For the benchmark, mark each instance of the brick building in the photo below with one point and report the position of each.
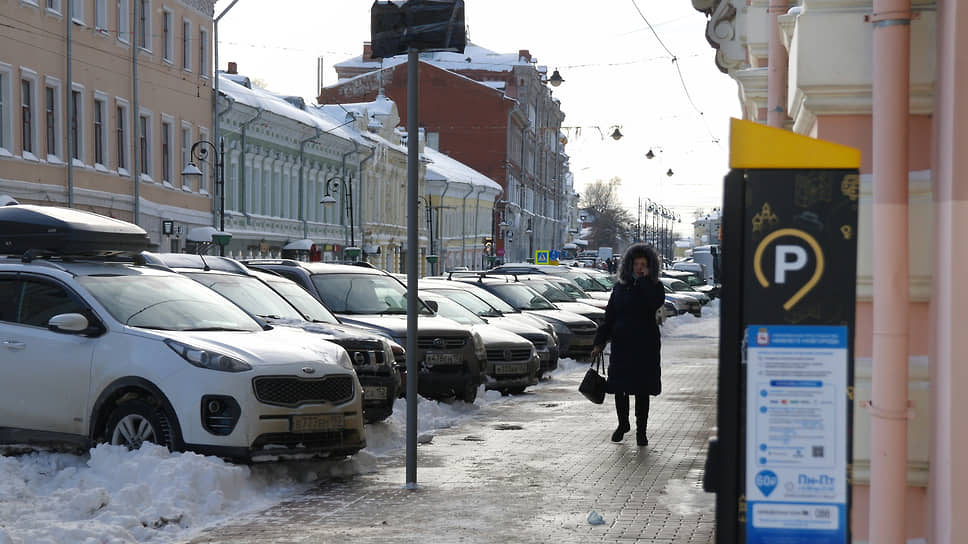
(493, 112)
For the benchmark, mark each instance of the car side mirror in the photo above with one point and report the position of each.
(69, 323)
(432, 304)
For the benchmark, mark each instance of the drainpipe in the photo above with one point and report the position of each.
(302, 186)
(70, 108)
(243, 203)
(889, 404)
(777, 74)
(463, 226)
(135, 114)
(218, 116)
(440, 237)
(363, 161)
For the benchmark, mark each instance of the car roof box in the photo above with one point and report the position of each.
(66, 231)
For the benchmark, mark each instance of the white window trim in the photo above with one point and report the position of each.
(185, 145)
(187, 59)
(204, 66)
(105, 130)
(31, 76)
(165, 118)
(124, 29)
(6, 98)
(101, 27)
(31, 3)
(168, 47)
(77, 18)
(122, 103)
(81, 140)
(203, 183)
(147, 24)
(57, 10)
(142, 112)
(58, 156)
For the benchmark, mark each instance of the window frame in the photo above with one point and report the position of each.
(143, 11)
(76, 125)
(167, 157)
(77, 12)
(186, 154)
(123, 18)
(145, 155)
(203, 52)
(31, 121)
(53, 132)
(167, 35)
(54, 7)
(6, 110)
(101, 140)
(186, 44)
(203, 182)
(122, 148)
(101, 17)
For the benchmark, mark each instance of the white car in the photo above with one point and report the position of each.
(95, 351)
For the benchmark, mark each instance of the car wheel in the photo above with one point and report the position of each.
(135, 422)
(515, 390)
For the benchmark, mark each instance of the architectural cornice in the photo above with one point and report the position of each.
(722, 33)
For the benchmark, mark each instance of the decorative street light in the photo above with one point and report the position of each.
(556, 79)
(650, 155)
(200, 151)
(670, 173)
(333, 185)
(617, 134)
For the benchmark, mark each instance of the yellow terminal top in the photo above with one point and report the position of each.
(756, 146)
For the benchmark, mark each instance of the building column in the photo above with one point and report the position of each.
(776, 111)
(948, 496)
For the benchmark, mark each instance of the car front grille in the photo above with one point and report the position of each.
(441, 342)
(293, 391)
(309, 441)
(515, 354)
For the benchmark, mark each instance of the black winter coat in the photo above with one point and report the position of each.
(630, 325)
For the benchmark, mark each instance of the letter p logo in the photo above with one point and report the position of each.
(789, 258)
(784, 264)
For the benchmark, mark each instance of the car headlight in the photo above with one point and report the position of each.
(479, 351)
(534, 352)
(208, 359)
(388, 355)
(344, 361)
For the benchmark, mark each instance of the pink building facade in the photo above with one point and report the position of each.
(883, 77)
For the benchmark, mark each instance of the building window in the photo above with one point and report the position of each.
(166, 35)
(6, 116)
(166, 157)
(144, 144)
(100, 132)
(203, 52)
(121, 135)
(101, 16)
(27, 115)
(52, 119)
(144, 24)
(203, 165)
(186, 157)
(187, 45)
(77, 11)
(53, 6)
(124, 21)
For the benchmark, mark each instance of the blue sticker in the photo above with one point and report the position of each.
(762, 409)
(763, 392)
(762, 447)
(766, 480)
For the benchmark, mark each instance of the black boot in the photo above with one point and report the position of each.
(622, 409)
(641, 419)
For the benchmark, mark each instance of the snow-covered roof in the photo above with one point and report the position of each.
(474, 57)
(261, 98)
(446, 168)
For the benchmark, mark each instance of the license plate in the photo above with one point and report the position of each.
(316, 424)
(442, 358)
(375, 393)
(511, 369)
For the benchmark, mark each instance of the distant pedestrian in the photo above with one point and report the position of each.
(630, 325)
(612, 265)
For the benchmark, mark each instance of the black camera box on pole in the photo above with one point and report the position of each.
(67, 231)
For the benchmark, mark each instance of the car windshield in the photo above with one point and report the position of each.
(493, 300)
(678, 285)
(452, 310)
(363, 294)
(693, 281)
(571, 289)
(469, 301)
(521, 296)
(549, 291)
(249, 293)
(604, 280)
(171, 303)
(302, 300)
(588, 284)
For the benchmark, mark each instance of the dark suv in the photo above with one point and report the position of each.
(281, 302)
(451, 359)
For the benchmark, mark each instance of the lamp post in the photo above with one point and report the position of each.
(200, 151)
(333, 185)
(427, 203)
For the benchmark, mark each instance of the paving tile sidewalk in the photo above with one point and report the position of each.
(528, 470)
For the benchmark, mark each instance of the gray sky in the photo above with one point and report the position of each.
(616, 73)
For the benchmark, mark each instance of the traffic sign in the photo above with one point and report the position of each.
(553, 255)
(541, 256)
(500, 252)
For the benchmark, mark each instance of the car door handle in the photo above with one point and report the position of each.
(14, 345)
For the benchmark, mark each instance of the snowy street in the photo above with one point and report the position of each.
(527, 468)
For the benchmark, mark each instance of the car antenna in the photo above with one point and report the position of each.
(206, 246)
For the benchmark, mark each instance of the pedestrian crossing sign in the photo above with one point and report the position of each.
(541, 256)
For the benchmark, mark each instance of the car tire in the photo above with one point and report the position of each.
(134, 422)
(515, 390)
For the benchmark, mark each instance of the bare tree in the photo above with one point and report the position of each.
(611, 219)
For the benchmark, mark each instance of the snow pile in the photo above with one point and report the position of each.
(148, 495)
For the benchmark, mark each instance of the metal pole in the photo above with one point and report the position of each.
(215, 85)
(69, 155)
(348, 186)
(135, 114)
(413, 89)
(220, 178)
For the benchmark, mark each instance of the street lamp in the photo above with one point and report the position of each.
(200, 151)
(556, 79)
(650, 155)
(617, 134)
(333, 185)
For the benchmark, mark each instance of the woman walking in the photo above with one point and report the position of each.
(630, 325)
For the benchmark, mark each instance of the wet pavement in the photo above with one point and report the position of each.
(530, 470)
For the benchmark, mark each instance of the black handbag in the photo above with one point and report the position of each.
(593, 384)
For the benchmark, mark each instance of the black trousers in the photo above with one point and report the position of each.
(641, 409)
